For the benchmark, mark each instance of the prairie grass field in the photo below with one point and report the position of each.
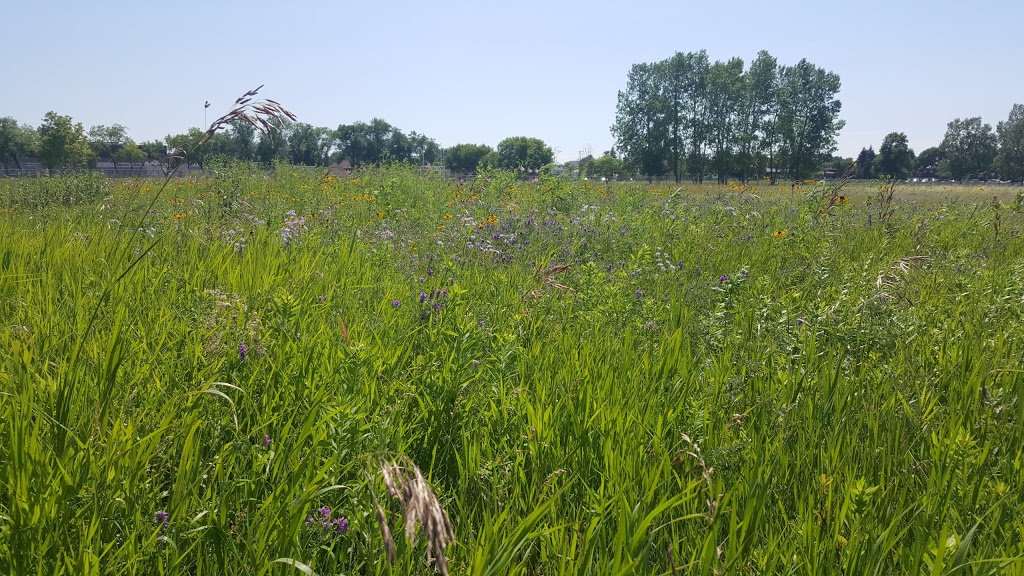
(594, 378)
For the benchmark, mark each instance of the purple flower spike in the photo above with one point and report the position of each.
(423, 297)
(242, 351)
(266, 441)
(639, 293)
(162, 517)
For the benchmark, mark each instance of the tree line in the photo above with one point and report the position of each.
(60, 142)
(970, 150)
(688, 116)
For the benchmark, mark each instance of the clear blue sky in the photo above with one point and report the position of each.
(478, 72)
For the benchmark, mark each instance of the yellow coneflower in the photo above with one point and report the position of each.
(841, 200)
(178, 216)
(380, 215)
(446, 217)
(779, 233)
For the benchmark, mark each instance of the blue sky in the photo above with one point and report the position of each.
(478, 72)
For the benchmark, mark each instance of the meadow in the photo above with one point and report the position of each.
(594, 378)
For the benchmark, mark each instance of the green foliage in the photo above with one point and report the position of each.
(928, 161)
(378, 142)
(895, 157)
(16, 141)
(523, 153)
(685, 111)
(866, 163)
(970, 148)
(62, 142)
(594, 379)
(465, 158)
(607, 167)
(1010, 160)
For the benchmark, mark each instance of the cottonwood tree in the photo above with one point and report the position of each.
(465, 158)
(16, 141)
(895, 157)
(685, 111)
(927, 162)
(970, 147)
(1010, 160)
(523, 153)
(642, 125)
(809, 112)
(310, 145)
(62, 142)
(107, 140)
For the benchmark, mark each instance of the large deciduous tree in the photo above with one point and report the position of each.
(685, 111)
(895, 157)
(970, 147)
(106, 141)
(465, 158)
(809, 116)
(310, 145)
(642, 127)
(62, 142)
(523, 153)
(16, 141)
(1010, 160)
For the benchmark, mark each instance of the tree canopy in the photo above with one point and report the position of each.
(523, 153)
(62, 142)
(686, 114)
(970, 148)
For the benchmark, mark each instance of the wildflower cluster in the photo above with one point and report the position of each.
(293, 227)
(322, 517)
(234, 237)
(663, 261)
(434, 300)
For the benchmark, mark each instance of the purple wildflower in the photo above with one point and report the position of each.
(423, 297)
(341, 524)
(321, 298)
(481, 323)
(723, 279)
(162, 517)
(744, 272)
(476, 362)
(395, 303)
(243, 350)
(266, 441)
(437, 306)
(800, 321)
(324, 511)
(639, 293)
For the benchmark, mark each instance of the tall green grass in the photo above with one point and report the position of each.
(792, 393)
